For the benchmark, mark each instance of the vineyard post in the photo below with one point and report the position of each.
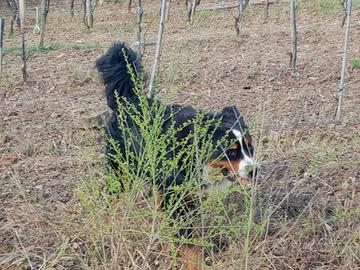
(72, 4)
(293, 55)
(89, 16)
(15, 16)
(139, 13)
(154, 70)
(192, 11)
(340, 94)
(168, 2)
(22, 38)
(239, 20)
(37, 23)
(2, 27)
(266, 9)
(44, 9)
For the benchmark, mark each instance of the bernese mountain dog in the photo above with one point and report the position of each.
(231, 153)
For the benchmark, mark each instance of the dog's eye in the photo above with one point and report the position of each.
(232, 153)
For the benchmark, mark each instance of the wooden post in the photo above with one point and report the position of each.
(192, 11)
(240, 18)
(2, 27)
(15, 16)
(139, 13)
(293, 55)
(340, 94)
(43, 12)
(37, 23)
(168, 2)
(72, 3)
(89, 17)
(22, 12)
(266, 9)
(84, 14)
(154, 70)
(22, 37)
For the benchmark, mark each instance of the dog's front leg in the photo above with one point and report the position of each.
(191, 257)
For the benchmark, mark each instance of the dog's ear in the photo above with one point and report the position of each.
(230, 114)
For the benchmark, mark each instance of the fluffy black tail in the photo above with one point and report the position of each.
(115, 73)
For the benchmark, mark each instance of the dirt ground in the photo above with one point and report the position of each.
(47, 146)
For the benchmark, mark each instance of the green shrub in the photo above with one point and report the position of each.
(125, 226)
(355, 63)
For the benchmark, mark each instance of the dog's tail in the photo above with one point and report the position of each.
(116, 68)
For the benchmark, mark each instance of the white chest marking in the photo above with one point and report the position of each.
(247, 161)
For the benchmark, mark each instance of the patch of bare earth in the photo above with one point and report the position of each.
(47, 147)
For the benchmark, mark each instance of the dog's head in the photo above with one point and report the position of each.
(236, 153)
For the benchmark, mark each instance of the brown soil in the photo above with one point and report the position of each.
(47, 147)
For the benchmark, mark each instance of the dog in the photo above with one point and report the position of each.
(232, 149)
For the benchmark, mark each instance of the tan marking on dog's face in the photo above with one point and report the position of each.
(235, 146)
(231, 165)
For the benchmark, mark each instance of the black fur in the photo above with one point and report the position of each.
(114, 67)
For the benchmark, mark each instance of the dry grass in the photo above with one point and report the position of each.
(302, 214)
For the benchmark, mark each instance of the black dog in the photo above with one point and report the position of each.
(232, 149)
